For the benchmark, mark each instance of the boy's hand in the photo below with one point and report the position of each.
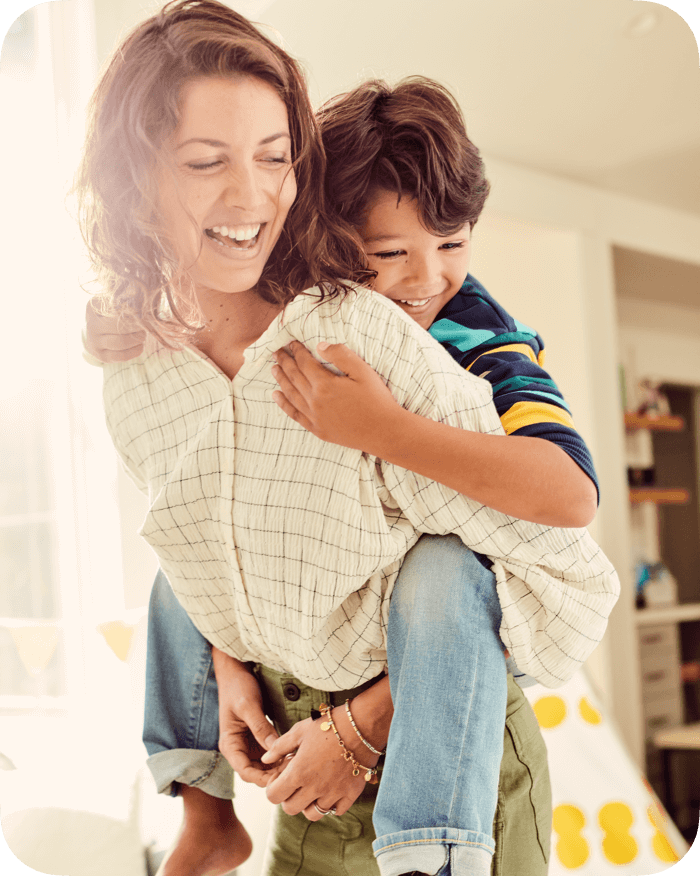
(104, 339)
(350, 410)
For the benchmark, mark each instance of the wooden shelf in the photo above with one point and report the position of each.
(655, 424)
(668, 614)
(659, 495)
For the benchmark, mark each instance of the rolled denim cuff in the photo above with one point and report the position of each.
(207, 770)
(429, 849)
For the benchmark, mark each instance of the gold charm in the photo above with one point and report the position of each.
(326, 726)
(368, 775)
(356, 772)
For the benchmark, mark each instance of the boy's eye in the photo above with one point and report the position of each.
(455, 244)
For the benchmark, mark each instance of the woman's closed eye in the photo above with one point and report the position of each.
(391, 254)
(204, 165)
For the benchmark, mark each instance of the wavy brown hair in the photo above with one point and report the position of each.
(410, 139)
(134, 109)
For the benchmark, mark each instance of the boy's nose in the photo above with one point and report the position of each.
(424, 274)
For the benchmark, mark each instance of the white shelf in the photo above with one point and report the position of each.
(668, 614)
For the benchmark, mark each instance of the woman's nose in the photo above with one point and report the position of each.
(243, 190)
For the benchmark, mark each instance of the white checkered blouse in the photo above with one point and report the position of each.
(284, 549)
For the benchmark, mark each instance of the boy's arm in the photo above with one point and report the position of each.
(488, 342)
(530, 478)
(105, 340)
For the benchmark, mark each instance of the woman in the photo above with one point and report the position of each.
(220, 158)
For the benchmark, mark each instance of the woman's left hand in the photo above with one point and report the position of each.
(317, 773)
(352, 410)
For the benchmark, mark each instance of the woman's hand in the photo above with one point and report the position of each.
(318, 772)
(352, 411)
(106, 340)
(245, 734)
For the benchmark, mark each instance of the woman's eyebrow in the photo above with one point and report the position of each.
(219, 144)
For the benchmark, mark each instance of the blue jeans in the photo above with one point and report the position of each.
(437, 798)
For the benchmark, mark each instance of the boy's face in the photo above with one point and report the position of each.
(418, 270)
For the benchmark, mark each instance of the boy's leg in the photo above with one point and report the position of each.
(437, 798)
(181, 728)
(181, 718)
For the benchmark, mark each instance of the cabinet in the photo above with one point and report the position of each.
(665, 527)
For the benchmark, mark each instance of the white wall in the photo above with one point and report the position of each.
(661, 341)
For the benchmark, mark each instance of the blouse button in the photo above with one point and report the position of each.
(291, 691)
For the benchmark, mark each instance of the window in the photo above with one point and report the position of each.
(60, 552)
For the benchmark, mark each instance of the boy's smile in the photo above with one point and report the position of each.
(417, 269)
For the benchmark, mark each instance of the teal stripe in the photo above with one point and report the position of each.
(522, 381)
(459, 336)
(514, 338)
(524, 328)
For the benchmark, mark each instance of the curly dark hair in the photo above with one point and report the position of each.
(134, 109)
(410, 139)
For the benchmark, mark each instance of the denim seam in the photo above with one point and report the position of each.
(441, 841)
(206, 775)
(466, 582)
(197, 701)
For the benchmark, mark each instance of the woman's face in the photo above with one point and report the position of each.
(229, 183)
(417, 269)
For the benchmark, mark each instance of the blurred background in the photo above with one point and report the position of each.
(587, 113)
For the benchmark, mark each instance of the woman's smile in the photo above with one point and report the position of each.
(230, 183)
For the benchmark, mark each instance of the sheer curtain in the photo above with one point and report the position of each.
(66, 693)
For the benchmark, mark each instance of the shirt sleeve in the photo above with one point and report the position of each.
(486, 340)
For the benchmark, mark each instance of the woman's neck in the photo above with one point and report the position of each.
(233, 321)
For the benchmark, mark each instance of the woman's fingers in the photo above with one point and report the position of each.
(283, 746)
(328, 809)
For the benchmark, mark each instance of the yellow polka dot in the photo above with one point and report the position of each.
(572, 849)
(550, 711)
(619, 846)
(663, 849)
(588, 713)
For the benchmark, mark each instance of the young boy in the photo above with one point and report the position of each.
(403, 174)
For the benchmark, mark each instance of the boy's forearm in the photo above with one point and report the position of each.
(529, 478)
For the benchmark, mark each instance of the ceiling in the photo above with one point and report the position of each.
(600, 91)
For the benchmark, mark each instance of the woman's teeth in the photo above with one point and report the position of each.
(416, 303)
(241, 234)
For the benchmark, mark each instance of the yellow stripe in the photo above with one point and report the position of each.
(510, 348)
(528, 413)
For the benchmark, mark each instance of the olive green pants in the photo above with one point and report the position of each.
(342, 846)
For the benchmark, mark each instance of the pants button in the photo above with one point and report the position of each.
(291, 691)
